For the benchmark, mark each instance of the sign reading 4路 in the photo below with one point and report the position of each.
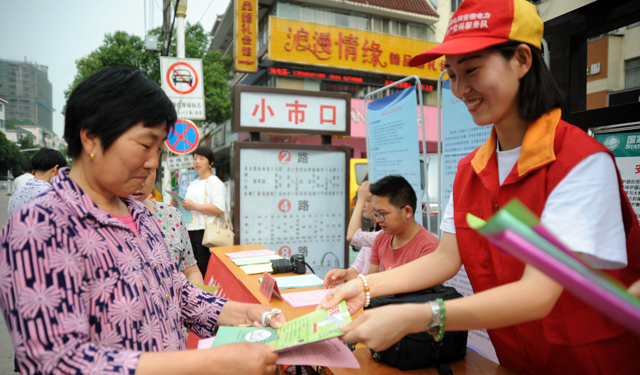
(182, 82)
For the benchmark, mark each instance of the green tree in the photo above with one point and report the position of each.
(11, 159)
(118, 49)
(123, 49)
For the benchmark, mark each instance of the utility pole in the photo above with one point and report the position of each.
(181, 13)
(166, 28)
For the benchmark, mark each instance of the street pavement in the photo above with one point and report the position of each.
(6, 346)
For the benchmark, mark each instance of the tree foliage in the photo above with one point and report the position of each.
(11, 159)
(123, 49)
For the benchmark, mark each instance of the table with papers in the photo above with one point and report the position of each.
(234, 283)
(241, 287)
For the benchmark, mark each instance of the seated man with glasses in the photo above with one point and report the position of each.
(404, 240)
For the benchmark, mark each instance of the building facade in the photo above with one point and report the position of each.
(613, 58)
(613, 68)
(3, 110)
(349, 46)
(346, 46)
(26, 85)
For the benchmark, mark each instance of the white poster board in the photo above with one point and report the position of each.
(293, 200)
(460, 136)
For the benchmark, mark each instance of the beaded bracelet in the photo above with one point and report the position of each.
(367, 295)
(436, 327)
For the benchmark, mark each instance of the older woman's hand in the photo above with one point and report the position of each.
(255, 313)
(244, 358)
(174, 202)
(235, 313)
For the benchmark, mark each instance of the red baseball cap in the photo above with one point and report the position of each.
(478, 24)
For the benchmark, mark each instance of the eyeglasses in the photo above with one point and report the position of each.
(380, 217)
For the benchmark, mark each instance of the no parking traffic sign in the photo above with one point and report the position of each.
(183, 138)
(182, 82)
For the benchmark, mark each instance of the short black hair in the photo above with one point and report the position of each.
(397, 189)
(47, 158)
(539, 93)
(207, 153)
(27, 168)
(110, 102)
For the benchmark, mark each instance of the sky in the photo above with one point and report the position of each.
(57, 33)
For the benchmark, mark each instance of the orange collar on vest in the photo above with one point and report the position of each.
(537, 145)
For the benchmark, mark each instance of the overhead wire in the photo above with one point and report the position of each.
(205, 11)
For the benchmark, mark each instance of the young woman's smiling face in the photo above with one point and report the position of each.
(487, 83)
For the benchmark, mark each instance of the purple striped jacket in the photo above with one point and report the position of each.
(82, 293)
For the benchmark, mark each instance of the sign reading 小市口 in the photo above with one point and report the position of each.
(182, 82)
(263, 109)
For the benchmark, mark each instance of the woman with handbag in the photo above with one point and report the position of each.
(206, 199)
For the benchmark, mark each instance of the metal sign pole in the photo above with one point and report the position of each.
(424, 136)
(440, 158)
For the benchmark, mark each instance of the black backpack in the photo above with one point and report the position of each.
(419, 350)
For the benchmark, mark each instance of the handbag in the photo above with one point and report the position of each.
(220, 232)
(322, 269)
(419, 350)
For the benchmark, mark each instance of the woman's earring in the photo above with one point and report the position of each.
(91, 156)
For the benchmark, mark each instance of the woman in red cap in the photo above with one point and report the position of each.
(493, 58)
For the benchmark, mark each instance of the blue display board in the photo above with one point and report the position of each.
(393, 140)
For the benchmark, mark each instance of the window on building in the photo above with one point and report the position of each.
(337, 17)
(381, 25)
(455, 4)
(401, 28)
(263, 34)
(1, 107)
(355, 20)
(417, 31)
(289, 10)
(632, 73)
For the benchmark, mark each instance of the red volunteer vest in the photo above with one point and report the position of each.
(574, 338)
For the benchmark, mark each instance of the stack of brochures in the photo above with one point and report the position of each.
(255, 264)
(299, 300)
(250, 253)
(309, 340)
(517, 231)
(302, 281)
(308, 329)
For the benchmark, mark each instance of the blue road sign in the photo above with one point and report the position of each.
(183, 138)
